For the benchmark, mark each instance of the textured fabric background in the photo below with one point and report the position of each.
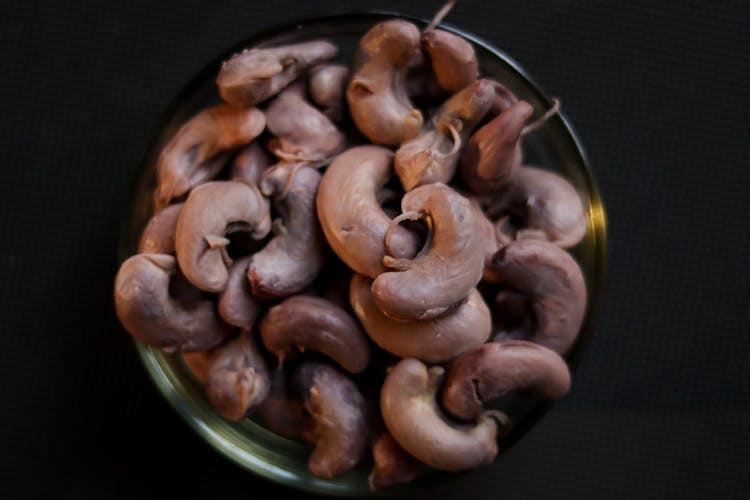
(658, 94)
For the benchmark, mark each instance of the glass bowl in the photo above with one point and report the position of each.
(247, 443)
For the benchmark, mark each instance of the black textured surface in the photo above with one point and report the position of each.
(659, 406)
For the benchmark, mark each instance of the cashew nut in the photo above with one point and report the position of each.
(211, 211)
(281, 412)
(237, 379)
(201, 147)
(237, 304)
(376, 92)
(151, 315)
(327, 87)
(197, 363)
(250, 163)
(337, 409)
(392, 465)
(411, 413)
(479, 376)
(449, 265)
(453, 59)
(554, 285)
(293, 258)
(159, 234)
(434, 341)
(311, 323)
(353, 222)
(254, 75)
(433, 154)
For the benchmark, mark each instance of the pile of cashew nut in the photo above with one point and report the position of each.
(357, 255)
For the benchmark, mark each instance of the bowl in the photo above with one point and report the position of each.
(247, 443)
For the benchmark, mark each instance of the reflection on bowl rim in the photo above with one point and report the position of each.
(160, 365)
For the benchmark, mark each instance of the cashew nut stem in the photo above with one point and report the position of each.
(446, 269)
(414, 419)
(254, 75)
(151, 315)
(479, 376)
(434, 341)
(353, 222)
(211, 211)
(201, 147)
(237, 379)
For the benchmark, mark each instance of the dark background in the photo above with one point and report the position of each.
(659, 96)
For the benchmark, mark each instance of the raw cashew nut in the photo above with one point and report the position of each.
(213, 210)
(449, 265)
(479, 376)
(554, 285)
(434, 341)
(493, 154)
(250, 163)
(337, 410)
(302, 133)
(201, 147)
(254, 75)
(353, 222)
(414, 419)
(327, 87)
(376, 93)
(453, 59)
(159, 234)
(432, 156)
(548, 206)
(304, 322)
(237, 379)
(293, 258)
(237, 304)
(148, 312)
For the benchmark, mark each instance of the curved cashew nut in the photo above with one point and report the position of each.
(201, 147)
(433, 154)
(293, 258)
(254, 75)
(493, 154)
(479, 376)
(548, 205)
(453, 59)
(376, 92)
(158, 235)
(327, 86)
(337, 410)
(302, 133)
(148, 312)
(305, 322)
(414, 419)
(237, 304)
(211, 211)
(249, 164)
(351, 217)
(434, 341)
(554, 285)
(447, 268)
(237, 379)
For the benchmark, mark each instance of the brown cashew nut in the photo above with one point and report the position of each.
(352, 219)
(158, 235)
(281, 412)
(449, 265)
(391, 464)
(504, 99)
(151, 315)
(302, 133)
(554, 285)
(293, 258)
(237, 304)
(253, 75)
(211, 211)
(453, 59)
(237, 379)
(376, 93)
(437, 340)
(327, 87)
(250, 163)
(493, 155)
(548, 206)
(491, 244)
(408, 402)
(478, 377)
(197, 363)
(432, 156)
(512, 316)
(201, 147)
(303, 322)
(337, 410)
